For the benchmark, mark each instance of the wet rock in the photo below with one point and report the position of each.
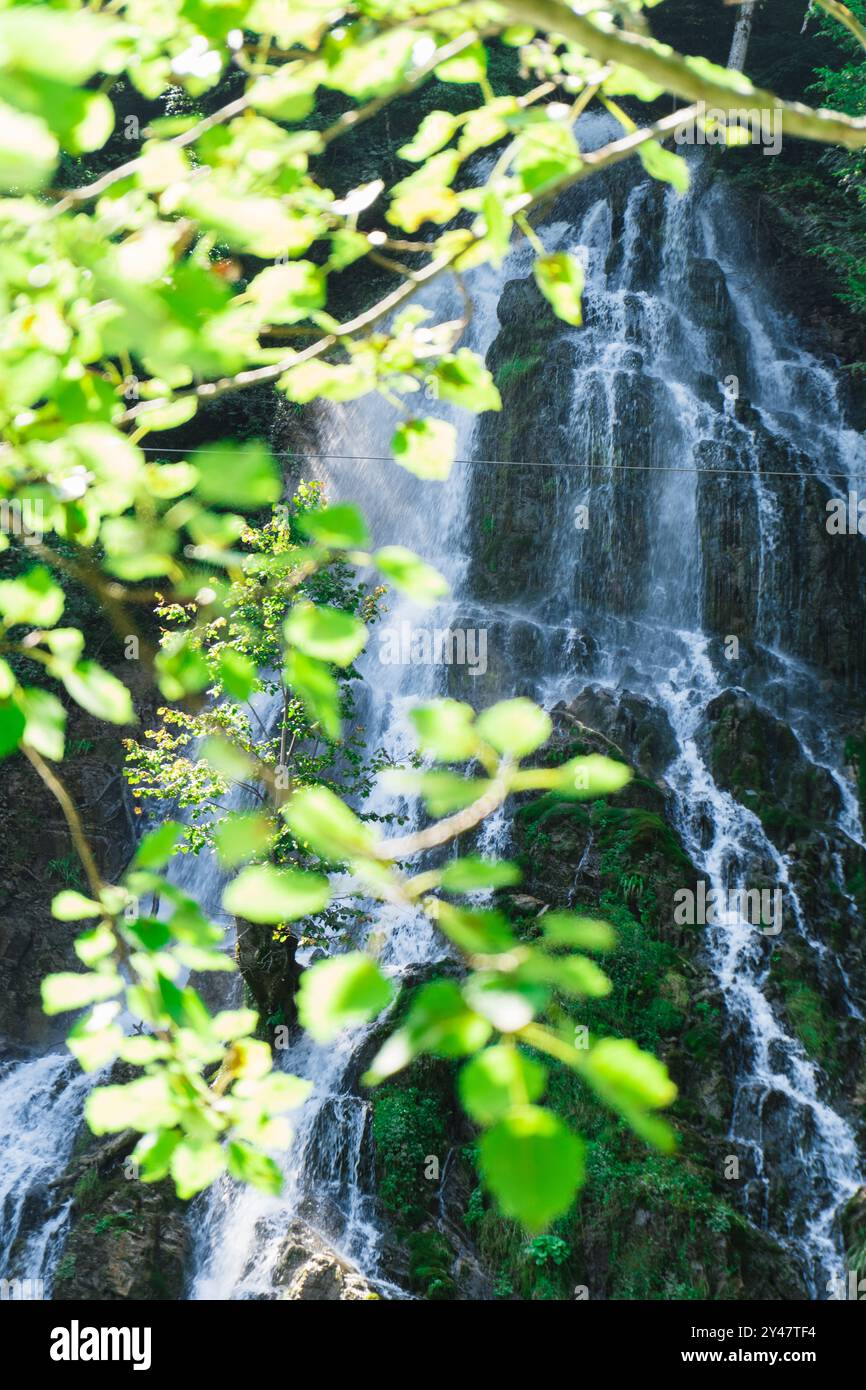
(308, 1270)
(632, 725)
(127, 1239)
(758, 759)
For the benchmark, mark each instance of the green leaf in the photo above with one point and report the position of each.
(341, 527)
(320, 819)
(289, 93)
(66, 46)
(514, 727)
(496, 1080)
(152, 1154)
(250, 1165)
(195, 1164)
(572, 975)
(409, 574)
(443, 792)
(630, 82)
(438, 1022)
(238, 475)
(94, 945)
(328, 634)
(240, 837)
(545, 153)
(478, 931)
(337, 993)
(426, 448)
(81, 120)
(463, 379)
(28, 151)
(181, 669)
(11, 728)
(263, 893)
(234, 1023)
(470, 874)
(275, 1092)
(32, 598)
(70, 990)
(238, 674)
(157, 847)
(341, 381)
(373, 69)
(508, 1003)
(445, 730)
(436, 129)
(618, 1065)
(288, 293)
(533, 1165)
(70, 906)
(570, 929)
(95, 1041)
(315, 686)
(559, 276)
(468, 66)
(590, 777)
(100, 693)
(663, 164)
(262, 226)
(44, 721)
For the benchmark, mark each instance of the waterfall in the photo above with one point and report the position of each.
(646, 491)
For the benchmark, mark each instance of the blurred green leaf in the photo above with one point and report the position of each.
(263, 893)
(497, 1079)
(533, 1165)
(339, 993)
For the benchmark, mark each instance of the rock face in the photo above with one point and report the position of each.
(630, 725)
(757, 758)
(127, 1239)
(308, 1270)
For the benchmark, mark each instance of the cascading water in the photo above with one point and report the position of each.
(648, 487)
(635, 393)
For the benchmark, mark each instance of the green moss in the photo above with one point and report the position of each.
(812, 1024)
(88, 1190)
(515, 368)
(408, 1129)
(855, 753)
(430, 1262)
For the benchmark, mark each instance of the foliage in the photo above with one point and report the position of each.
(138, 291)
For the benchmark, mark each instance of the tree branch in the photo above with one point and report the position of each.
(687, 77)
(71, 816)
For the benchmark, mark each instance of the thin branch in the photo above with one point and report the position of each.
(188, 137)
(71, 816)
(452, 826)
